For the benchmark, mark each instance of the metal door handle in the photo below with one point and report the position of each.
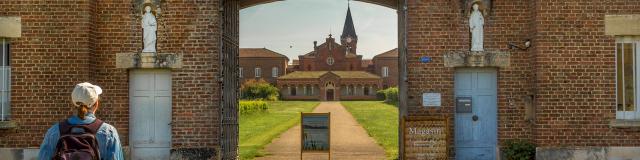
(474, 118)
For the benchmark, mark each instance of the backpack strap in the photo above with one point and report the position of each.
(93, 127)
(65, 127)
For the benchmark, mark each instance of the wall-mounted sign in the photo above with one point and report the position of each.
(425, 137)
(425, 59)
(315, 133)
(431, 99)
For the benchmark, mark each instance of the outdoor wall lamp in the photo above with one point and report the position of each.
(527, 44)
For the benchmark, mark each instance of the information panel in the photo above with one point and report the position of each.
(315, 132)
(425, 138)
(431, 99)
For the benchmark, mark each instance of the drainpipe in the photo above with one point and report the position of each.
(402, 79)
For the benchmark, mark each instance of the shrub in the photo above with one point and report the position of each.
(380, 95)
(519, 150)
(390, 95)
(259, 90)
(249, 107)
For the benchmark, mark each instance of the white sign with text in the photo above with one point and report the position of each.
(431, 99)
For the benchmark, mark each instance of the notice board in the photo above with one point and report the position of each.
(425, 138)
(315, 132)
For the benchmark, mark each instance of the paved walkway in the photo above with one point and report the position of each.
(349, 140)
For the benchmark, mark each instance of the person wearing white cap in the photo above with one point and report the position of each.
(56, 145)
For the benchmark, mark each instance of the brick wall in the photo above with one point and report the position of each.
(569, 71)
(439, 26)
(575, 73)
(52, 55)
(67, 42)
(266, 64)
(341, 62)
(392, 63)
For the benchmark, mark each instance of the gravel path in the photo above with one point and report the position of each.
(349, 141)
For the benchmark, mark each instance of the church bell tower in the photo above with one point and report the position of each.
(349, 37)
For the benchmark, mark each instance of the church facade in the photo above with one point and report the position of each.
(333, 70)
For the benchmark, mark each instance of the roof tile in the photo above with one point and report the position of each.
(260, 52)
(318, 74)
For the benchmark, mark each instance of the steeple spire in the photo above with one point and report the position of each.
(349, 37)
(349, 29)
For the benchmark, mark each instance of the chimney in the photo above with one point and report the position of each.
(315, 47)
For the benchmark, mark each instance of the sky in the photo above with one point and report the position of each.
(289, 27)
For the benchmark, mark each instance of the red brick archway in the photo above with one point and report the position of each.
(393, 4)
(229, 50)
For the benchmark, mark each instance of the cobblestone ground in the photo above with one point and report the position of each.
(349, 141)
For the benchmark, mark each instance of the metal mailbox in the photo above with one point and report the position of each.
(463, 105)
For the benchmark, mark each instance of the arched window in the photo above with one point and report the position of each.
(308, 90)
(292, 90)
(366, 90)
(351, 90)
(274, 72)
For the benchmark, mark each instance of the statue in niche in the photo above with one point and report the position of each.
(476, 26)
(149, 28)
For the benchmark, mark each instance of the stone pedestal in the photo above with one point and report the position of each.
(499, 59)
(148, 60)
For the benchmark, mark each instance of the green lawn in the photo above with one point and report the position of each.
(380, 120)
(257, 130)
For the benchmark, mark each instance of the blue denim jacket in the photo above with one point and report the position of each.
(107, 136)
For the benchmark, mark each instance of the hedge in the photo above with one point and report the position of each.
(250, 107)
(390, 95)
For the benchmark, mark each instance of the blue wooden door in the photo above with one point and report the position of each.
(476, 130)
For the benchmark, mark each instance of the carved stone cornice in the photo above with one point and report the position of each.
(148, 60)
(499, 59)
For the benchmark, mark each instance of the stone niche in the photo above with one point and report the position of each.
(148, 60)
(500, 59)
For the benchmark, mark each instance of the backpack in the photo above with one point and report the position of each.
(78, 142)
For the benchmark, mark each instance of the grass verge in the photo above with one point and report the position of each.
(380, 120)
(257, 130)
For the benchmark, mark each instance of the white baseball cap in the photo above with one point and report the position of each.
(85, 93)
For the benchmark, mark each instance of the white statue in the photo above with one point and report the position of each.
(476, 27)
(149, 28)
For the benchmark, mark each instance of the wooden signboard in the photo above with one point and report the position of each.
(425, 138)
(315, 133)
